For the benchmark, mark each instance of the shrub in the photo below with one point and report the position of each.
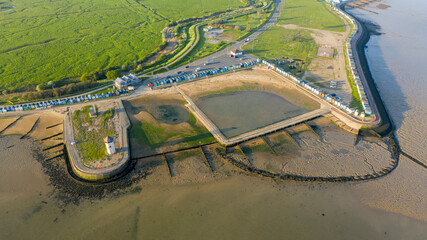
(113, 74)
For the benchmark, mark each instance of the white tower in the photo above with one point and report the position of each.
(109, 144)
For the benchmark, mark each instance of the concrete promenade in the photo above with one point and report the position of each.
(214, 130)
(91, 174)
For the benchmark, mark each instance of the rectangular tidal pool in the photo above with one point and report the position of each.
(243, 111)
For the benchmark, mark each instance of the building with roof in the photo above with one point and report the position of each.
(125, 81)
(109, 145)
(236, 53)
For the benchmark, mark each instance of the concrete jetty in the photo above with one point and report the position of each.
(76, 162)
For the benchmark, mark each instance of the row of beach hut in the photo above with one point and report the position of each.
(350, 59)
(191, 76)
(61, 101)
(313, 89)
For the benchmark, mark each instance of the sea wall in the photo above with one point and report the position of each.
(384, 126)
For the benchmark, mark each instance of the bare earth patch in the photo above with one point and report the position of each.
(322, 71)
(252, 79)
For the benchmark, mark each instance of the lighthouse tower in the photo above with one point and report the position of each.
(109, 144)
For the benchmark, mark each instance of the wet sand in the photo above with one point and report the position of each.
(196, 203)
(396, 59)
(239, 207)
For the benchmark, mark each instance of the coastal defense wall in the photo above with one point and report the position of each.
(384, 126)
(94, 175)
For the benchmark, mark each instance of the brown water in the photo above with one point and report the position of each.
(244, 111)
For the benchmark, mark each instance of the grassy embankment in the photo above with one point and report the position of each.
(69, 38)
(89, 133)
(159, 123)
(355, 103)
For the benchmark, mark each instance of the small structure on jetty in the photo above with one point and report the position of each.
(109, 145)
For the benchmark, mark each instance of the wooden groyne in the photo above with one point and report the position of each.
(11, 124)
(290, 136)
(54, 125)
(244, 154)
(55, 135)
(32, 128)
(209, 162)
(54, 146)
(56, 156)
(413, 159)
(169, 165)
(173, 151)
(314, 132)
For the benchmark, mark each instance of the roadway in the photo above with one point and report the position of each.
(218, 59)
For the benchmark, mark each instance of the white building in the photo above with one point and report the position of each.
(109, 145)
(236, 53)
(125, 81)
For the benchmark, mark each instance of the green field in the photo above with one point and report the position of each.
(311, 14)
(180, 9)
(278, 42)
(159, 124)
(41, 41)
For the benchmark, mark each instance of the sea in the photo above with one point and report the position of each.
(248, 207)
